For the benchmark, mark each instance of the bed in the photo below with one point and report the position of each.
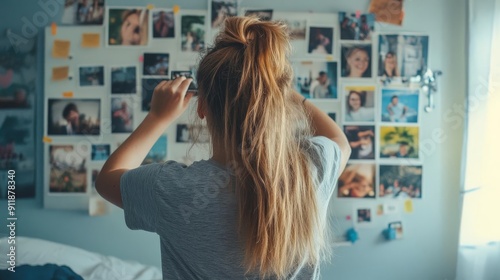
(89, 265)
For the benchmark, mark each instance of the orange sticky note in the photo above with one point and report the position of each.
(53, 28)
(46, 139)
(150, 6)
(176, 9)
(67, 94)
(60, 73)
(60, 49)
(408, 206)
(91, 40)
(329, 58)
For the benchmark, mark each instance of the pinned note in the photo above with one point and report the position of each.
(60, 48)
(67, 94)
(60, 73)
(53, 29)
(150, 6)
(141, 58)
(46, 139)
(329, 57)
(91, 40)
(380, 209)
(408, 206)
(176, 9)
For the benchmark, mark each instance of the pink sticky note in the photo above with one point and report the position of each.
(141, 58)
(348, 217)
(358, 14)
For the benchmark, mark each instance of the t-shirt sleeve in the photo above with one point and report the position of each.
(327, 158)
(139, 198)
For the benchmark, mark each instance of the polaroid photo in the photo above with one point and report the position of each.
(316, 79)
(68, 168)
(155, 64)
(400, 181)
(91, 76)
(362, 141)
(390, 208)
(220, 10)
(192, 133)
(122, 116)
(100, 152)
(296, 28)
(127, 26)
(83, 12)
(74, 116)
(148, 88)
(193, 86)
(192, 33)
(402, 55)
(363, 216)
(163, 24)
(356, 27)
(400, 105)
(399, 142)
(356, 60)
(320, 40)
(357, 181)
(158, 152)
(359, 103)
(263, 15)
(123, 80)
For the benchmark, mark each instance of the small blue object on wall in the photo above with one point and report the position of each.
(352, 235)
(389, 233)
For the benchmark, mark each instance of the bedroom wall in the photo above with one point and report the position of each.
(431, 231)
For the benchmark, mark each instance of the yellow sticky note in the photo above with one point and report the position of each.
(408, 206)
(67, 94)
(91, 40)
(60, 73)
(329, 58)
(176, 9)
(46, 139)
(150, 6)
(53, 29)
(60, 49)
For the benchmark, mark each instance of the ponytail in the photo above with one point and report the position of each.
(245, 83)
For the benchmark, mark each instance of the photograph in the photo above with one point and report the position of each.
(188, 74)
(400, 181)
(362, 141)
(356, 60)
(359, 104)
(74, 116)
(83, 12)
(158, 152)
(398, 227)
(264, 15)
(91, 76)
(320, 40)
(400, 105)
(123, 80)
(100, 152)
(192, 33)
(388, 11)
(148, 87)
(121, 115)
(315, 79)
(191, 133)
(68, 169)
(357, 27)
(222, 9)
(363, 215)
(402, 55)
(155, 64)
(163, 23)
(399, 142)
(128, 27)
(296, 28)
(357, 181)
(18, 68)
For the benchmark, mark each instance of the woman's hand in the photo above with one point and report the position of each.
(170, 99)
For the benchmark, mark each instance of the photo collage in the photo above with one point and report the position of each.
(342, 62)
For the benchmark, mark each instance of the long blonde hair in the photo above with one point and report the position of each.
(245, 83)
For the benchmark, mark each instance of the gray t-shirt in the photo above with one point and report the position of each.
(195, 214)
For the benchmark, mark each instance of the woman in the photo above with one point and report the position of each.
(270, 177)
(390, 66)
(357, 62)
(356, 110)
